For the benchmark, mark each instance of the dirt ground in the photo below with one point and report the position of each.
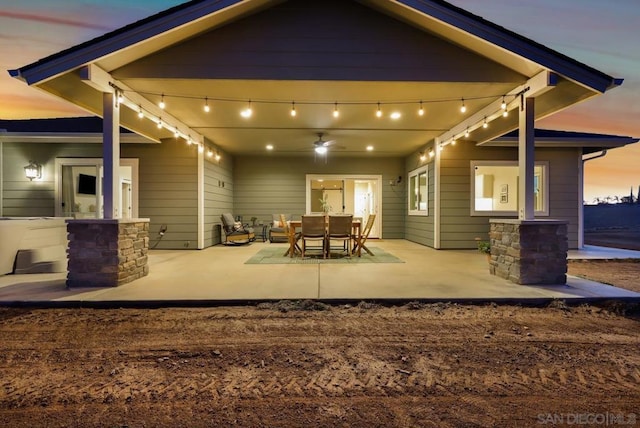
(292, 364)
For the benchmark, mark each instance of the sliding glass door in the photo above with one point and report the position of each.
(352, 194)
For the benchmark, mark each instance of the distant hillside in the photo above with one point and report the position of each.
(608, 216)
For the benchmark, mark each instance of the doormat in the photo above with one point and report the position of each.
(275, 255)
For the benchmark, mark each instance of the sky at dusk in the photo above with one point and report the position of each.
(604, 35)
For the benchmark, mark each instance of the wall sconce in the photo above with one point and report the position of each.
(396, 181)
(33, 170)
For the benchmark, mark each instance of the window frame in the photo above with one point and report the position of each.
(410, 179)
(510, 213)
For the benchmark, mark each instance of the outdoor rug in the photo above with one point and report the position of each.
(274, 255)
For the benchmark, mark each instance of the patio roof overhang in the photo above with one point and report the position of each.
(480, 63)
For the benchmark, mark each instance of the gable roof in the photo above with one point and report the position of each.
(187, 25)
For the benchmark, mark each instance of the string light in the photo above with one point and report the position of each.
(463, 108)
(209, 153)
(336, 113)
(176, 134)
(140, 113)
(207, 109)
(505, 113)
(485, 125)
(466, 133)
(503, 106)
(293, 109)
(217, 156)
(379, 112)
(161, 104)
(453, 141)
(248, 112)
(421, 110)
(431, 153)
(160, 123)
(423, 157)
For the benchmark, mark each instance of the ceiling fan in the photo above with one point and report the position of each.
(321, 146)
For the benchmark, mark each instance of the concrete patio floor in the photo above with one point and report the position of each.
(219, 275)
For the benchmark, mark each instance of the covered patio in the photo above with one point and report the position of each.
(239, 95)
(220, 275)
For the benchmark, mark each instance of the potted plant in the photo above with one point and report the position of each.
(325, 204)
(484, 247)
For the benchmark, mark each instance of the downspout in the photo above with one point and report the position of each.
(602, 154)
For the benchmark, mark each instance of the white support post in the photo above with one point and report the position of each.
(526, 158)
(111, 154)
(201, 174)
(436, 196)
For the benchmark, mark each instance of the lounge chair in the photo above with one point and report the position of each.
(235, 232)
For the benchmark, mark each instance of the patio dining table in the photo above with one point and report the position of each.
(295, 249)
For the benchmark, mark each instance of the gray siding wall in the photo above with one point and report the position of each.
(420, 228)
(218, 196)
(24, 198)
(459, 229)
(168, 191)
(266, 186)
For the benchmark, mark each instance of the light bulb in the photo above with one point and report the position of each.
(207, 109)
(466, 133)
(395, 115)
(379, 112)
(336, 113)
(246, 113)
(209, 153)
(161, 104)
(369, 148)
(423, 157)
(421, 110)
(160, 123)
(453, 141)
(463, 108)
(218, 156)
(200, 148)
(120, 98)
(505, 113)
(269, 147)
(176, 134)
(485, 124)
(504, 104)
(293, 110)
(140, 113)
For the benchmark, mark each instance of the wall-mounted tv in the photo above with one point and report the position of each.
(86, 184)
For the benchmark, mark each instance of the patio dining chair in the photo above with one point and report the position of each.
(340, 230)
(360, 241)
(314, 230)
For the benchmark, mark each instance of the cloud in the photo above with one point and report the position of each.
(48, 19)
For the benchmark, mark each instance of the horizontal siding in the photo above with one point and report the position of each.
(167, 191)
(420, 229)
(218, 196)
(319, 40)
(459, 229)
(264, 187)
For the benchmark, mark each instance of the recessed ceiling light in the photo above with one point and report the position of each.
(269, 146)
(369, 148)
(395, 115)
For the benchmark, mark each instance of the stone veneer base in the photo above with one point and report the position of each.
(529, 251)
(107, 252)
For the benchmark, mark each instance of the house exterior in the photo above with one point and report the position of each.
(232, 98)
(165, 187)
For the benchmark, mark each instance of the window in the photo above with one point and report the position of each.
(494, 188)
(418, 195)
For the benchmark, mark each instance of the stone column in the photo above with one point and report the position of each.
(529, 251)
(107, 252)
